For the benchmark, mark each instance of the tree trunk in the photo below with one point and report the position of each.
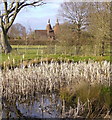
(6, 48)
(102, 48)
(78, 47)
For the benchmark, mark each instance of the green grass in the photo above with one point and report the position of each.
(29, 46)
(37, 52)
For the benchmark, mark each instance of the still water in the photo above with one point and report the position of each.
(40, 106)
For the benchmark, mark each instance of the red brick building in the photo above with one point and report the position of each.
(49, 33)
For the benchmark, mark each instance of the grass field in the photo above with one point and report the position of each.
(28, 53)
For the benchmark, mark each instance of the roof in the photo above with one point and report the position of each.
(41, 32)
(48, 27)
(56, 28)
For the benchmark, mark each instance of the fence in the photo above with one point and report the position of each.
(53, 48)
(30, 42)
(91, 50)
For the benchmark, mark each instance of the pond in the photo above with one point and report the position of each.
(40, 106)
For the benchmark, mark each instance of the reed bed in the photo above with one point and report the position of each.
(20, 83)
(45, 77)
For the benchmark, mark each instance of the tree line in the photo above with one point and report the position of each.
(85, 23)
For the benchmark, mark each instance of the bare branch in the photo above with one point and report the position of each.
(14, 16)
(31, 4)
(12, 12)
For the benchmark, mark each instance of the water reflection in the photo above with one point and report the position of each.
(41, 106)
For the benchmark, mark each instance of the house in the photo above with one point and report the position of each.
(49, 33)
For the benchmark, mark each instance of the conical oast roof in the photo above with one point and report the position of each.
(48, 27)
(57, 27)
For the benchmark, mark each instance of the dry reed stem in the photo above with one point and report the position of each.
(49, 77)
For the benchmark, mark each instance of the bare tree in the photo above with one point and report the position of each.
(75, 13)
(94, 17)
(11, 9)
(17, 31)
(99, 23)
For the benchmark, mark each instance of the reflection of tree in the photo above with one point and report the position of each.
(46, 105)
(8, 107)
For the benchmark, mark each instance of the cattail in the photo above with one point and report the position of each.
(8, 58)
(63, 108)
(13, 61)
(23, 56)
(52, 76)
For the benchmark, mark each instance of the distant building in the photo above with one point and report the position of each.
(50, 32)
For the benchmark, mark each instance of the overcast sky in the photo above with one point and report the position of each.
(37, 17)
